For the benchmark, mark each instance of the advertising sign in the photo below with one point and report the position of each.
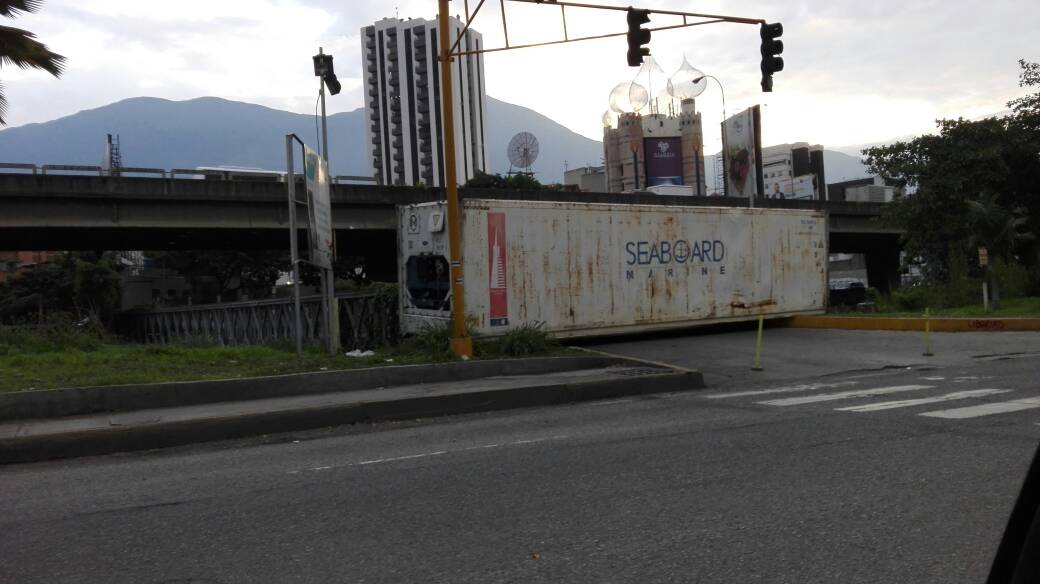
(739, 148)
(498, 301)
(320, 217)
(804, 187)
(663, 161)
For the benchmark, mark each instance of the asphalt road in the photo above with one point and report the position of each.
(766, 478)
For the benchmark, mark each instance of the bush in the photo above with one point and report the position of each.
(58, 333)
(433, 340)
(523, 341)
(1014, 279)
(913, 298)
(962, 292)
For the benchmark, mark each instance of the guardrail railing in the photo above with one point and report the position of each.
(182, 173)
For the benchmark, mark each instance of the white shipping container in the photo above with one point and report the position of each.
(585, 268)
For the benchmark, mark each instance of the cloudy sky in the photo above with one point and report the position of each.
(857, 71)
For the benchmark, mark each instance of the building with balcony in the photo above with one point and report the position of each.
(403, 96)
(794, 171)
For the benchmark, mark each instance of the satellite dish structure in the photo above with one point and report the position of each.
(522, 152)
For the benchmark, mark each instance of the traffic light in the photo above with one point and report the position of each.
(772, 46)
(637, 36)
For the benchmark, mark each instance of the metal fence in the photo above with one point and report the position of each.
(367, 320)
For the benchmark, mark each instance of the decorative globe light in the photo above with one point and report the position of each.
(681, 84)
(619, 98)
(648, 87)
(638, 96)
(608, 119)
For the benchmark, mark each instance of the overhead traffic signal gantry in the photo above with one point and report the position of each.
(772, 46)
(637, 36)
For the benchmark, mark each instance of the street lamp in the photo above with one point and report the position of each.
(725, 181)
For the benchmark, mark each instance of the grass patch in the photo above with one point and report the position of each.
(1010, 307)
(41, 360)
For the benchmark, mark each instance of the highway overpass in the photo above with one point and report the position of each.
(77, 212)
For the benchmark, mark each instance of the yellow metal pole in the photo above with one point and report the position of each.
(461, 343)
(927, 334)
(758, 346)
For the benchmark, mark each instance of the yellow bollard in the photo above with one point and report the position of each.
(927, 334)
(758, 347)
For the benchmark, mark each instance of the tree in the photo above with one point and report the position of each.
(79, 284)
(20, 47)
(998, 230)
(252, 272)
(945, 174)
(496, 181)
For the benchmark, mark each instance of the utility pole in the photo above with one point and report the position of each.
(461, 343)
(324, 127)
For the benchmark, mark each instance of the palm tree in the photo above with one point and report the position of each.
(998, 229)
(20, 47)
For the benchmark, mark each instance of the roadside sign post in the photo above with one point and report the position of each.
(319, 231)
(984, 264)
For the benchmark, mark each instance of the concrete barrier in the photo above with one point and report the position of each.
(51, 403)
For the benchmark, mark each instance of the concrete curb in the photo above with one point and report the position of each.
(160, 435)
(940, 325)
(52, 403)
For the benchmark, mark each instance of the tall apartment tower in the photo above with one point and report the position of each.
(403, 95)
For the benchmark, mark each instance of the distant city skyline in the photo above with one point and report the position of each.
(855, 73)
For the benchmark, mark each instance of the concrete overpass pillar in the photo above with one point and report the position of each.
(883, 268)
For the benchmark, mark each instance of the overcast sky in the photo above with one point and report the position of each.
(856, 71)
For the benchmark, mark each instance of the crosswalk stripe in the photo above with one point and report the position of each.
(788, 389)
(986, 409)
(906, 403)
(808, 399)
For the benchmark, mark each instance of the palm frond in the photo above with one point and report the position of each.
(3, 106)
(13, 8)
(20, 47)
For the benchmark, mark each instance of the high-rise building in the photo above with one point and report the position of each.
(657, 149)
(403, 95)
(794, 171)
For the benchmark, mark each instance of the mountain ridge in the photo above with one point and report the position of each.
(156, 132)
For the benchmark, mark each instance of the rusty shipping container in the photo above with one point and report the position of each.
(589, 269)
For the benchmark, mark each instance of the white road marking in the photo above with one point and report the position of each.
(426, 454)
(970, 378)
(610, 403)
(933, 378)
(788, 389)
(409, 457)
(906, 403)
(809, 399)
(987, 409)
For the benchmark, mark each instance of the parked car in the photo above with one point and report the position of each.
(847, 291)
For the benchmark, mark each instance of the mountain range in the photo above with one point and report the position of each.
(211, 131)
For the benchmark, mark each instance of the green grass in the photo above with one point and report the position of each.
(1010, 307)
(33, 361)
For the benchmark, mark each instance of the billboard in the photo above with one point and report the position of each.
(320, 211)
(805, 187)
(742, 154)
(663, 161)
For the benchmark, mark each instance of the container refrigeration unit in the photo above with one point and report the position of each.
(586, 269)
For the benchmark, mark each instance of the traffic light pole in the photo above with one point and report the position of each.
(461, 343)
(709, 19)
